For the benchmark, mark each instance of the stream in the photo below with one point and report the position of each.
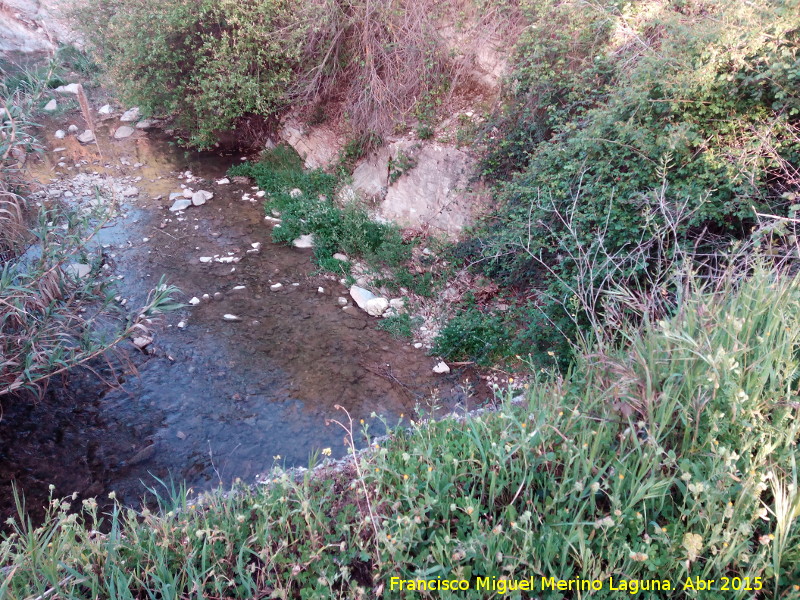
(214, 400)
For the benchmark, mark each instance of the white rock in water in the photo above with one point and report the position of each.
(342, 301)
(206, 259)
(60, 134)
(256, 245)
(238, 287)
(105, 110)
(72, 88)
(180, 204)
(142, 342)
(199, 198)
(376, 306)
(78, 270)
(194, 301)
(182, 324)
(296, 193)
(341, 257)
(130, 115)
(51, 106)
(187, 193)
(72, 129)
(223, 181)
(276, 286)
(320, 290)
(441, 368)
(87, 137)
(123, 132)
(418, 345)
(229, 317)
(304, 241)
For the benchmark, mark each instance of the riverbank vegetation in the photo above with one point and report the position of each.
(50, 266)
(211, 64)
(670, 456)
(307, 205)
(632, 133)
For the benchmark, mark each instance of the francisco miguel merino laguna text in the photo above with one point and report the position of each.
(503, 586)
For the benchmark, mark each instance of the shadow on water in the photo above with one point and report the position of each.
(216, 400)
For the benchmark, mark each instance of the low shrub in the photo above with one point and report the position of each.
(472, 334)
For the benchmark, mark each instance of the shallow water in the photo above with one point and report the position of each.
(217, 400)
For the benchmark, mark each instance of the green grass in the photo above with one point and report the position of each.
(347, 229)
(400, 325)
(670, 457)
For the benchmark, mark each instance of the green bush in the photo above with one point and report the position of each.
(206, 62)
(638, 131)
(472, 334)
(211, 62)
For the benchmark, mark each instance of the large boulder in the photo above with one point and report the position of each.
(434, 191)
(318, 146)
(371, 175)
(361, 296)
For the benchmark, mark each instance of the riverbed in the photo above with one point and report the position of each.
(213, 400)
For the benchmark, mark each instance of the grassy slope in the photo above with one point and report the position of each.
(673, 457)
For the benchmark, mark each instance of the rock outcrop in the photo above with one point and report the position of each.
(319, 146)
(32, 26)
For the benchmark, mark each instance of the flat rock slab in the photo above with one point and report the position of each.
(72, 88)
(304, 241)
(180, 204)
(123, 132)
(130, 115)
(78, 270)
(87, 137)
